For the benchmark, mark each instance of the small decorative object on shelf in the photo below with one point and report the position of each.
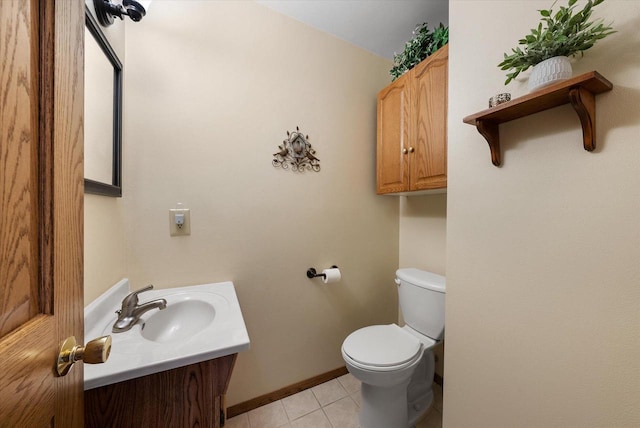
(558, 36)
(499, 99)
(579, 91)
(296, 152)
(422, 44)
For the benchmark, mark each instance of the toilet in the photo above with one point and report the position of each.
(396, 364)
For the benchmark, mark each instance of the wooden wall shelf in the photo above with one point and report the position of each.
(580, 91)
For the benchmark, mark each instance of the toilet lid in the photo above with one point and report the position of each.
(381, 346)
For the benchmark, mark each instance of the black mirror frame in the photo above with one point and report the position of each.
(115, 187)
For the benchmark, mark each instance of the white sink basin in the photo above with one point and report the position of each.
(200, 323)
(180, 320)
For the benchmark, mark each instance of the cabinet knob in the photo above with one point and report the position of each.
(411, 150)
(405, 151)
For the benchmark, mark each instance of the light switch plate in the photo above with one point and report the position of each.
(174, 230)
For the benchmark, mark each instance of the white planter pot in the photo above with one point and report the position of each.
(549, 71)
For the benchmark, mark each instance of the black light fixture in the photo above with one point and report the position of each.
(106, 11)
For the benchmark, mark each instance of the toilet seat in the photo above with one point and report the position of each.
(382, 348)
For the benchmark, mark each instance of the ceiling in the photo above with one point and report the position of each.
(379, 26)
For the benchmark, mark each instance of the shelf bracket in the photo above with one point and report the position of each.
(584, 103)
(489, 130)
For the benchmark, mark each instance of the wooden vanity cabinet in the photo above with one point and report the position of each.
(412, 129)
(189, 396)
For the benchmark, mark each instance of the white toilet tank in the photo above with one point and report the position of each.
(421, 296)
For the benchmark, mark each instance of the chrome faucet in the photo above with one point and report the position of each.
(131, 311)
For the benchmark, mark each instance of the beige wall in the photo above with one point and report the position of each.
(423, 221)
(104, 245)
(543, 254)
(423, 224)
(212, 88)
(104, 217)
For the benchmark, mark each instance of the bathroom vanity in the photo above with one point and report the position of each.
(190, 396)
(172, 368)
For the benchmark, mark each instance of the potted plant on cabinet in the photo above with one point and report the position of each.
(422, 44)
(558, 36)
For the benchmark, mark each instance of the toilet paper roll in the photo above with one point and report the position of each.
(331, 275)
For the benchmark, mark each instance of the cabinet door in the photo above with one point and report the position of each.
(428, 149)
(393, 137)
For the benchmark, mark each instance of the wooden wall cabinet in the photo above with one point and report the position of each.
(412, 129)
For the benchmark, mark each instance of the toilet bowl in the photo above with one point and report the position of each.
(396, 364)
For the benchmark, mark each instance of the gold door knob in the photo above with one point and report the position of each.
(404, 151)
(411, 150)
(95, 352)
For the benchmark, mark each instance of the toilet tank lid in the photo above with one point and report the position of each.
(421, 278)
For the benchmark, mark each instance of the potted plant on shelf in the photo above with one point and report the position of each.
(558, 36)
(422, 44)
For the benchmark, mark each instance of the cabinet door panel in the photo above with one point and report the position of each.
(393, 136)
(429, 160)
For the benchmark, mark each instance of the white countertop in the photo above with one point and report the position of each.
(132, 355)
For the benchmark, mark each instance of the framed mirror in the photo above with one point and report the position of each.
(102, 113)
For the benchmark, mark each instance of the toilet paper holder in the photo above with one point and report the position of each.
(312, 273)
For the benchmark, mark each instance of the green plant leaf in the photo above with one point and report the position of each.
(422, 44)
(566, 32)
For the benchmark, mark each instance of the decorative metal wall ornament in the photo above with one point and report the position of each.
(296, 152)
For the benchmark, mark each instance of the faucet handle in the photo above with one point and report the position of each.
(147, 288)
(132, 298)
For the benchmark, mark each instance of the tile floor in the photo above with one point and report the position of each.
(334, 404)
